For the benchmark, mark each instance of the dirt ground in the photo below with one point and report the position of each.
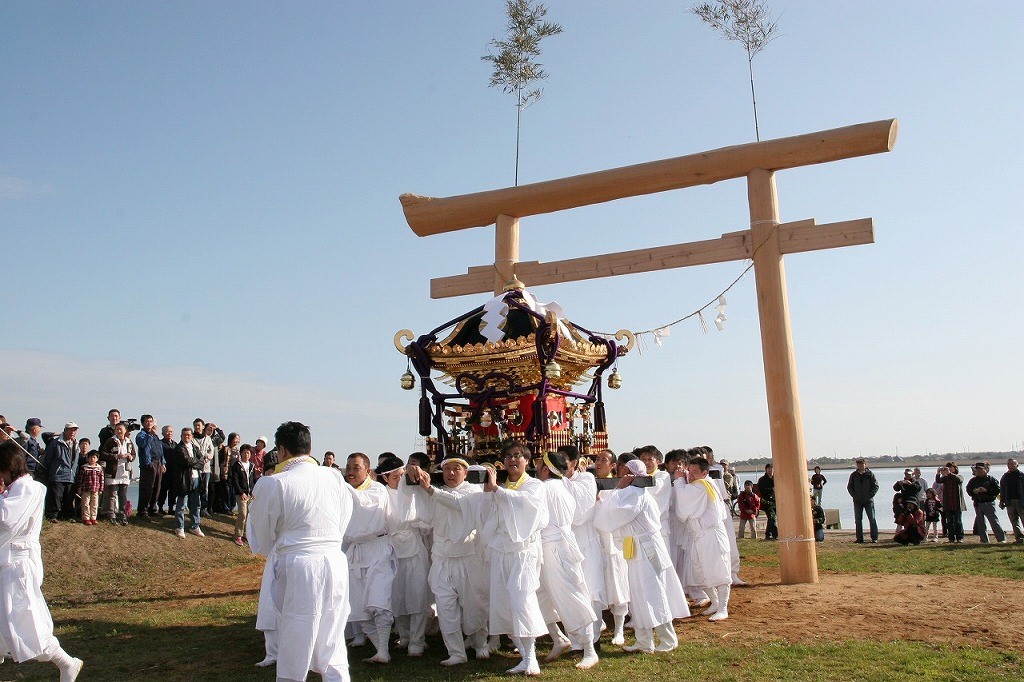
(951, 609)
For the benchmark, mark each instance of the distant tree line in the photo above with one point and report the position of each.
(890, 460)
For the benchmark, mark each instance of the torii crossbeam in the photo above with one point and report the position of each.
(765, 242)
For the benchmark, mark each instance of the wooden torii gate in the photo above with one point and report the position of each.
(765, 242)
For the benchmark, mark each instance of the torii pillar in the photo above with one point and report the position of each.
(765, 242)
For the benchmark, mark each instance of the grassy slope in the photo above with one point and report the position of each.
(139, 604)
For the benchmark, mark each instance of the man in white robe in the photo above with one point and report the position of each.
(632, 518)
(26, 629)
(582, 485)
(616, 578)
(410, 593)
(512, 518)
(699, 506)
(719, 481)
(563, 593)
(662, 489)
(371, 558)
(299, 516)
(458, 577)
(678, 536)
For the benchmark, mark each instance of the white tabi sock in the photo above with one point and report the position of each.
(456, 648)
(667, 636)
(586, 637)
(713, 596)
(723, 603)
(559, 642)
(618, 637)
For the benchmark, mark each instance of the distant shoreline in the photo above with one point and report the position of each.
(963, 460)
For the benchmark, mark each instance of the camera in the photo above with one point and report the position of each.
(131, 424)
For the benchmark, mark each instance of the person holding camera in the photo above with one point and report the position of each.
(911, 522)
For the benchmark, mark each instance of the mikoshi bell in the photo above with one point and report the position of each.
(509, 371)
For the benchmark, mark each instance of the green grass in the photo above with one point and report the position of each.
(842, 555)
(200, 625)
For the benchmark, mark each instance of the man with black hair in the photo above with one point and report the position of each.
(766, 490)
(371, 557)
(582, 485)
(107, 432)
(862, 487)
(513, 515)
(458, 577)
(699, 506)
(298, 516)
(151, 466)
(563, 593)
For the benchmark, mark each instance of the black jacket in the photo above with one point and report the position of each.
(240, 482)
(862, 487)
(181, 466)
(990, 485)
(1011, 486)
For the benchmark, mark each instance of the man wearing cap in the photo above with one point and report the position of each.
(29, 440)
(410, 593)
(298, 516)
(61, 464)
(259, 451)
(458, 577)
(371, 559)
(862, 487)
(983, 489)
(656, 597)
(1011, 497)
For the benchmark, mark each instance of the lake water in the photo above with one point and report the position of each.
(834, 495)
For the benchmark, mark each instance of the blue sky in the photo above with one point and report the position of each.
(199, 208)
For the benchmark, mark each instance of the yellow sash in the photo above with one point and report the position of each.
(365, 484)
(628, 547)
(712, 492)
(518, 484)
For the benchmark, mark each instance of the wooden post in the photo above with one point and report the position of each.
(506, 251)
(797, 559)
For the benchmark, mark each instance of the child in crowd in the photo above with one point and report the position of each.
(818, 517)
(84, 446)
(90, 485)
(932, 514)
(911, 524)
(750, 505)
(242, 479)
